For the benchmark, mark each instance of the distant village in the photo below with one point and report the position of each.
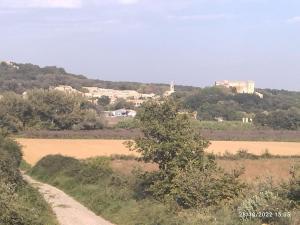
(137, 99)
(131, 96)
(94, 93)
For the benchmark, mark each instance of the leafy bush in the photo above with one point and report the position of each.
(127, 123)
(53, 164)
(294, 185)
(196, 188)
(10, 159)
(19, 203)
(268, 204)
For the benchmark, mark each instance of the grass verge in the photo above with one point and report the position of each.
(115, 196)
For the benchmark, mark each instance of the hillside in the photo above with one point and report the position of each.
(20, 77)
(279, 109)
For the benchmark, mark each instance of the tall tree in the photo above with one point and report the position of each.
(186, 173)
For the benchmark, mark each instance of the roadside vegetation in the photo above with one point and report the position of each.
(188, 187)
(19, 203)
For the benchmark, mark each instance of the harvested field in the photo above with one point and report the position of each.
(35, 149)
(276, 170)
(257, 148)
(261, 170)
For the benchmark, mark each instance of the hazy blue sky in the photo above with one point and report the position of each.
(193, 42)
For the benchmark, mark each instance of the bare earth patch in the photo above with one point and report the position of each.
(35, 149)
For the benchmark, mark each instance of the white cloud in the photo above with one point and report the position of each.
(204, 17)
(128, 2)
(41, 3)
(295, 19)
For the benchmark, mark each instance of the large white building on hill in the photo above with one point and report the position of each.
(240, 87)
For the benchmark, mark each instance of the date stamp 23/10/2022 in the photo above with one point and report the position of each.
(264, 214)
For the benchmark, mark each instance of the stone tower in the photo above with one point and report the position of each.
(172, 87)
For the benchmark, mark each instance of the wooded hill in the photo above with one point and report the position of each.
(279, 109)
(20, 77)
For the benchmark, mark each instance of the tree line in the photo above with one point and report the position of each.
(47, 109)
(278, 109)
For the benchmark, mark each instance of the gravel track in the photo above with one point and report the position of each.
(67, 210)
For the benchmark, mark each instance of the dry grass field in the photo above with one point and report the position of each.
(276, 170)
(255, 170)
(257, 148)
(35, 149)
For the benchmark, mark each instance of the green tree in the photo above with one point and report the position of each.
(103, 100)
(170, 141)
(16, 112)
(122, 103)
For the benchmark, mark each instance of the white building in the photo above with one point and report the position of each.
(171, 91)
(11, 64)
(95, 92)
(121, 113)
(240, 87)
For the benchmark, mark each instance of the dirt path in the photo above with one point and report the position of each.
(67, 210)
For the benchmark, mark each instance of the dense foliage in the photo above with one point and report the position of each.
(185, 173)
(210, 103)
(278, 109)
(117, 197)
(43, 109)
(19, 203)
(280, 119)
(188, 187)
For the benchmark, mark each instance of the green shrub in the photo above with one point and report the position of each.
(10, 159)
(294, 185)
(92, 170)
(196, 188)
(24, 166)
(19, 203)
(127, 123)
(51, 165)
(265, 206)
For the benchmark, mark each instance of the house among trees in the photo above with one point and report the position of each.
(120, 113)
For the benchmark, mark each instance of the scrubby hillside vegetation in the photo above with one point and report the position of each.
(187, 188)
(47, 109)
(19, 203)
(19, 77)
(279, 109)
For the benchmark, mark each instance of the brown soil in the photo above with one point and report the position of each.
(35, 149)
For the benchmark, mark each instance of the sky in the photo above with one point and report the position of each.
(191, 42)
